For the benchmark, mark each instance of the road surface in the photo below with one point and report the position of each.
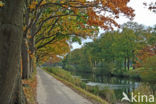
(52, 91)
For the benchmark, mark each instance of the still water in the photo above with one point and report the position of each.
(118, 85)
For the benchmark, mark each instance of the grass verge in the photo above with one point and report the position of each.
(74, 83)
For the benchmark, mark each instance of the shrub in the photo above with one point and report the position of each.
(144, 89)
(83, 85)
(148, 75)
(93, 89)
(66, 75)
(150, 63)
(144, 74)
(108, 94)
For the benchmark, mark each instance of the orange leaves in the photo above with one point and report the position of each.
(32, 56)
(97, 20)
(54, 59)
(33, 5)
(75, 10)
(103, 1)
(143, 54)
(29, 36)
(30, 89)
(98, 16)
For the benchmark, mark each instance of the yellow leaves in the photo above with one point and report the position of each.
(81, 0)
(33, 5)
(24, 28)
(56, 29)
(59, 47)
(59, 13)
(62, 1)
(43, 2)
(1, 4)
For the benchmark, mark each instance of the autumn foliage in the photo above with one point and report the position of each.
(145, 53)
(61, 19)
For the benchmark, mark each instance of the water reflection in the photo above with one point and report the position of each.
(118, 85)
(114, 86)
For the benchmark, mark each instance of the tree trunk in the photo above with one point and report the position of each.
(11, 22)
(25, 60)
(125, 66)
(128, 63)
(32, 49)
(133, 60)
(31, 65)
(19, 97)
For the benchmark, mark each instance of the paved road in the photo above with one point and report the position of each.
(52, 91)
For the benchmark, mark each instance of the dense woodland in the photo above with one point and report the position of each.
(115, 52)
(34, 30)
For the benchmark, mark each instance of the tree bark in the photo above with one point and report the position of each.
(125, 66)
(32, 48)
(128, 63)
(18, 95)
(11, 22)
(31, 65)
(133, 60)
(25, 60)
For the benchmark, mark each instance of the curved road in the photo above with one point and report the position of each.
(52, 91)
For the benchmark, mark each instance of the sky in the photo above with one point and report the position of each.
(142, 16)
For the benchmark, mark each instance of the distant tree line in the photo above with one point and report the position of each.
(114, 51)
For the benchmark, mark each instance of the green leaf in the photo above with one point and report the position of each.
(76, 39)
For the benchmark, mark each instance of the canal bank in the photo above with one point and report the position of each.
(109, 88)
(114, 86)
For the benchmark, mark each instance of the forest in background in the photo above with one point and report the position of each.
(117, 53)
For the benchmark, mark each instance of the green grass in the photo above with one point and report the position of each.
(75, 83)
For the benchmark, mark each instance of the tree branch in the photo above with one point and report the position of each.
(42, 38)
(50, 41)
(47, 19)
